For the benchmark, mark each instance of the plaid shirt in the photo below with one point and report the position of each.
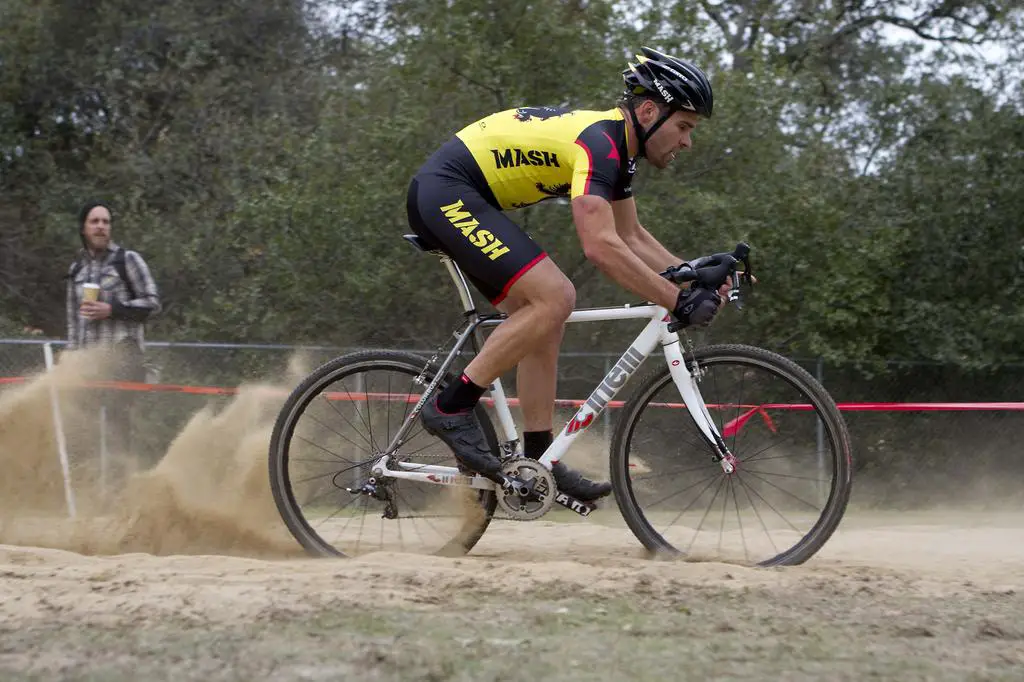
(128, 316)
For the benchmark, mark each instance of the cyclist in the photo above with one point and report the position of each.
(511, 159)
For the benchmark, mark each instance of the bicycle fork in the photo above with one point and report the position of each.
(655, 334)
(686, 382)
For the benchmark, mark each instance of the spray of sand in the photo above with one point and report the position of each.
(208, 494)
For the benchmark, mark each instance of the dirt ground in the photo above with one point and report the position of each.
(189, 575)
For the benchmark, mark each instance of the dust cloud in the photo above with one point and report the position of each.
(207, 494)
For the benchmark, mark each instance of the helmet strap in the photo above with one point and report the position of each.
(642, 134)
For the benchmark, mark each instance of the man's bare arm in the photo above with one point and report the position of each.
(638, 239)
(602, 245)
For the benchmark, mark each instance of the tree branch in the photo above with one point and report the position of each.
(717, 17)
(490, 88)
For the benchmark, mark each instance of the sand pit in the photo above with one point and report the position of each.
(189, 574)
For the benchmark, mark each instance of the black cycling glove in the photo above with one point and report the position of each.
(696, 306)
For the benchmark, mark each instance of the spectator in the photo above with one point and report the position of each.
(127, 298)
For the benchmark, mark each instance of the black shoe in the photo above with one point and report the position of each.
(575, 484)
(462, 433)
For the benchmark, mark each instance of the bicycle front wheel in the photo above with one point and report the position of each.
(333, 428)
(793, 479)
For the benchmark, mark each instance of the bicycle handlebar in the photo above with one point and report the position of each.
(713, 271)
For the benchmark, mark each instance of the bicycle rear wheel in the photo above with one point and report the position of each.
(793, 479)
(330, 432)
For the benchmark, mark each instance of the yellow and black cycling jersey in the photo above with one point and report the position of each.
(525, 155)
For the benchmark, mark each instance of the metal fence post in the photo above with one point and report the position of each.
(103, 450)
(820, 373)
(58, 425)
(360, 391)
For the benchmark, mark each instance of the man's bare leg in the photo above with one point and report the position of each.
(536, 384)
(537, 380)
(541, 300)
(538, 304)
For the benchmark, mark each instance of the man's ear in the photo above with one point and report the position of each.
(648, 112)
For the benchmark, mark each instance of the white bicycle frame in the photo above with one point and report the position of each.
(655, 333)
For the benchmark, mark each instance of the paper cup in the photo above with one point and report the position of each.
(90, 292)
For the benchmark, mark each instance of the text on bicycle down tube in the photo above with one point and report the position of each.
(606, 390)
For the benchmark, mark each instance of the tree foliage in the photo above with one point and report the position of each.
(258, 154)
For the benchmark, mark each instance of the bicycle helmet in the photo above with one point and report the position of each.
(679, 85)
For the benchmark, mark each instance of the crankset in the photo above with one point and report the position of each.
(532, 490)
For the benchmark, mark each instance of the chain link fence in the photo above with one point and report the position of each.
(906, 456)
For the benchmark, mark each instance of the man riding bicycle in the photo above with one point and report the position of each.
(515, 158)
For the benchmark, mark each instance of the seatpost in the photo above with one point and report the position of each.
(468, 306)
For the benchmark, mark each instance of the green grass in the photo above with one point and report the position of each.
(646, 633)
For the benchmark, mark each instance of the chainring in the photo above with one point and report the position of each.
(542, 485)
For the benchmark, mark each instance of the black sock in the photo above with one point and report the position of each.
(461, 395)
(535, 443)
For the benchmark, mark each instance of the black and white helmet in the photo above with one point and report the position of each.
(670, 81)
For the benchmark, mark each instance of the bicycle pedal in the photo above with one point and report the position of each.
(579, 506)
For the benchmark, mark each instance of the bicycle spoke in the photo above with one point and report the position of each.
(739, 403)
(408, 405)
(772, 507)
(677, 472)
(689, 487)
(725, 503)
(685, 509)
(319, 476)
(701, 524)
(768, 459)
(764, 526)
(339, 509)
(699, 445)
(354, 402)
(339, 435)
(721, 422)
(425, 518)
(739, 524)
(362, 524)
(401, 537)
(327, 461)
(672, 504)
(448, 455)
(358, 525)
(369, 412)
(772, 473)
(766, 449)
(795, 497)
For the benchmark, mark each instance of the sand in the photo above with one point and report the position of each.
(194, 545)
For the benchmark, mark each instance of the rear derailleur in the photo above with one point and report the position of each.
(378, 490)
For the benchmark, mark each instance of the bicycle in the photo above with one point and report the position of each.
(759, 452)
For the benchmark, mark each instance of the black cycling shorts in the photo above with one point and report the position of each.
(449, 210)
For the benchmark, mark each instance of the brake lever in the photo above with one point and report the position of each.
(734, 292)
(742, 255)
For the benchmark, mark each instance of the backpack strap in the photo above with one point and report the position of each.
(122, 271)
(119, 264)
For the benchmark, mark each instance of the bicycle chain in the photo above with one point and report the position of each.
(542, 479)
(508, 448)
